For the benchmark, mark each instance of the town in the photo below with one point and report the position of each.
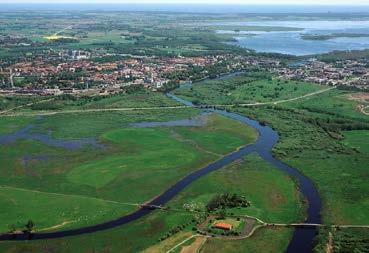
(86, 72)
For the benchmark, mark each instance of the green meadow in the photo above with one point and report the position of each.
(273, 194)
(58, 188)
(324, 136)
(247, 88)
(358, 139)
(140, 98)
(317, 146)
(263, 241)
(12, 124)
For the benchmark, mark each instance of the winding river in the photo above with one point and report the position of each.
(302, 240)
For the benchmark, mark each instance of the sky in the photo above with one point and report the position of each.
(235, 2)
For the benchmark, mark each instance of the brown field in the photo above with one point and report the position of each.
(362, 97)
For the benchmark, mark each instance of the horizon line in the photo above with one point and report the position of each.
(184, 3)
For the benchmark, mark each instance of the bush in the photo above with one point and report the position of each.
(227, 200)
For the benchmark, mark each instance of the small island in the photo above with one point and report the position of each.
(333, 36)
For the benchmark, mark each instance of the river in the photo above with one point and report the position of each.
(302, 240)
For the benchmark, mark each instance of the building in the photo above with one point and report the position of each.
(223, 225)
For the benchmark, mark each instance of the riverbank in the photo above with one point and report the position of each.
(314, 140)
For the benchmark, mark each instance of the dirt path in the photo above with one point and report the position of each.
(329, 248)
(184, 241)
(195, 246)
(363, 109)
(56, 226)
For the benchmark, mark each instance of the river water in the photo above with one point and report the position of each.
(47, 139)
(303, 238)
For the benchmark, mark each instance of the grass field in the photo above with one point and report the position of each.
(142, 98)
(218, 138)
(338, 171)
(273, 195)
(358, 139)
(246, 88)
(89, 185)
(17, 204)
(97, 123)
(315, 139)
(332, 104)
(146, 153)
(11, 125)
(264, 241)
(133, 237)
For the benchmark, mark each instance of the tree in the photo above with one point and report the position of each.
(29, 226)
(222, 213)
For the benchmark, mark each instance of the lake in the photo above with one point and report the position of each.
(291, 42)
